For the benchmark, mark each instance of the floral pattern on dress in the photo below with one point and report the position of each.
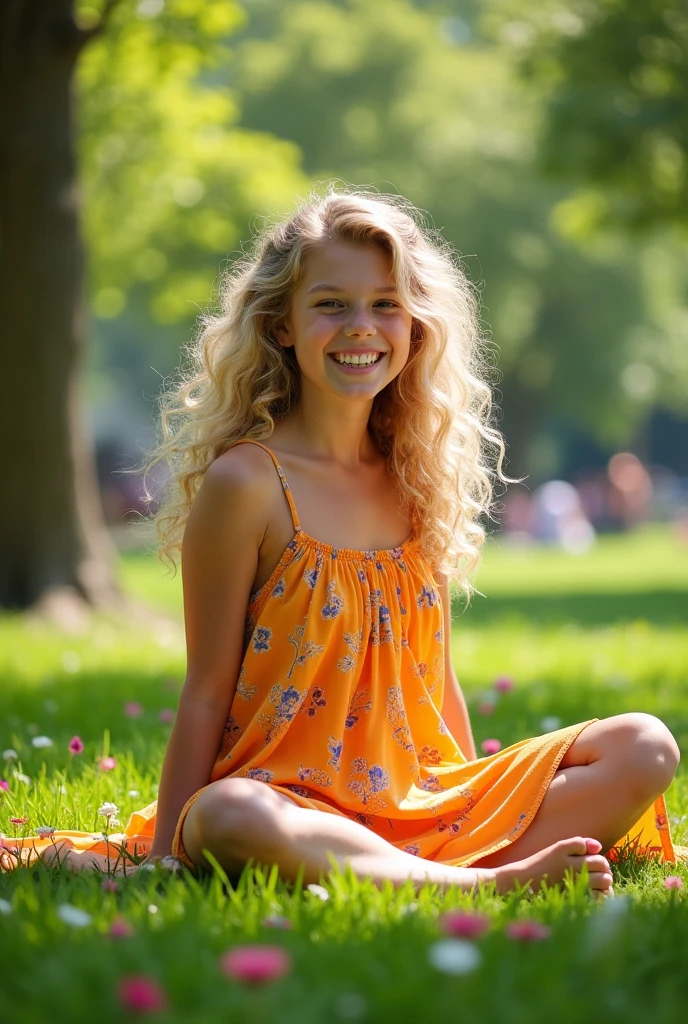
(375, 780)
(334, 748)
(427, 597)
(278, 589)
(334, 603)
(286, 704)
(361, 703)
(261, 639)
(245, 690)
(353, 642)
(380, 620)
(396, 716)
(304, 649)
(429, 755)
(315, 775)
(316, 699)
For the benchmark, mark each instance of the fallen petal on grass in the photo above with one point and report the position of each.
(76, 745)
(41, 741)
(318, 890)
(256, 965)
(132, 709)
(491, 746)
(109, 885)
(73, 916)
(454, 956)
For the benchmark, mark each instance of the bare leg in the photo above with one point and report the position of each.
(241, 819)
(608, 777)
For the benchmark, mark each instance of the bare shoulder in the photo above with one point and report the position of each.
(238, 488)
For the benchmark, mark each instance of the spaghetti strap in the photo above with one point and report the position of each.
(285, 485)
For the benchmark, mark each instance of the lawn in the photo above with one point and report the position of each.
(579, 636)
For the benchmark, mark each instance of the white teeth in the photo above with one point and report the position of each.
(354, 360)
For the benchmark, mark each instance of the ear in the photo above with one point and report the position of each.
(283, 334)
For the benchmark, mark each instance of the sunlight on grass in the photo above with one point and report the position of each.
(577, 638)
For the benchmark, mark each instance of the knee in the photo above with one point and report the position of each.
(232, 814)
(648, 753)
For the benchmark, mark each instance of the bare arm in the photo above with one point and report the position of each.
(454, 710)
(220, 549)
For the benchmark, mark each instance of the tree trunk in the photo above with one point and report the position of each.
(53, 537)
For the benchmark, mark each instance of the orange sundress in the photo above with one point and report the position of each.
(338, 705)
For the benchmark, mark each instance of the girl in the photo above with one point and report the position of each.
(321, 720)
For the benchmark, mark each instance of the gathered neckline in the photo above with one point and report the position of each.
(370, 554)
(348, 554)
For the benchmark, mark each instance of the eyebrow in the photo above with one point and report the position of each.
(335, 288)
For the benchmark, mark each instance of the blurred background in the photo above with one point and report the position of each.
(547, 142)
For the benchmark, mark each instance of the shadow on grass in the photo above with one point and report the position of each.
(657, 607)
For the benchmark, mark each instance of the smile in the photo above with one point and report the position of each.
(357, 363)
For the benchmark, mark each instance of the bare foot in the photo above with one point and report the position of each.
(552, 863)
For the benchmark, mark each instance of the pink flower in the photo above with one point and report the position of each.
(485, 708)
(528, 931)
(139, 993)
(107, 764)
(120, 929)
(19, 821)
(673, 882)
(76, 745)
(109, 885)
(463, 924)
(503, 684)
(132, 709)
(254, 965)
(491, 746)
(167, 715)
(4, 784)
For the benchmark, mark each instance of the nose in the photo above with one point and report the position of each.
(360, 325)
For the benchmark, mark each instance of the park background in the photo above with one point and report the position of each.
(142, 143)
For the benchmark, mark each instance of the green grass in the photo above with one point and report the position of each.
(581, 636)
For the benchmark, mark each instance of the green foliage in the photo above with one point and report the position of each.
(170, 181)
(429, 101)
(363, 954)
(617, 106)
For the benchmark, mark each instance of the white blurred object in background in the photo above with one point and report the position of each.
(558, 517)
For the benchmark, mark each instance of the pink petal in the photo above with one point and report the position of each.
(167, 715)
(503, 684)
(109, 885)
(528, 931)
(4, 784)
(463, 924)
(120, 929)
(76, 745)
(137, 992)
(254, 965)
(107, 764)
(132, 709)
(673, 882)
(491, 746)
(19, 821)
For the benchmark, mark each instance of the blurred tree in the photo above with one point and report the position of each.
(426, 98)
(616, 119)
(156, 142)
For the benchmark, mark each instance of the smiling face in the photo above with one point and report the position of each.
(349, 329)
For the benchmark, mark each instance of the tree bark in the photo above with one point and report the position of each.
(53, 537)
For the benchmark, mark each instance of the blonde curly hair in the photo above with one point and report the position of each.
(431, 422)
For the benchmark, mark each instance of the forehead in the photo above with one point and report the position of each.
(347, 265)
